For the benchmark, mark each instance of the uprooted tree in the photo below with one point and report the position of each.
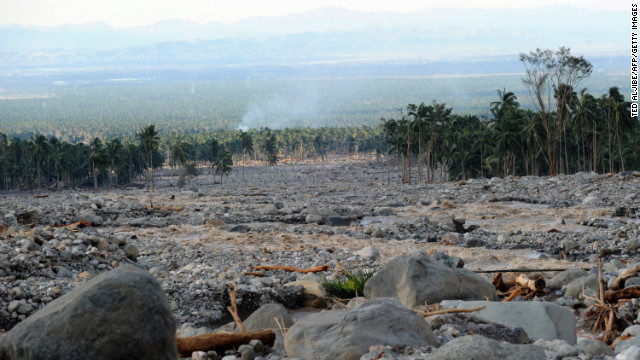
(550, 79)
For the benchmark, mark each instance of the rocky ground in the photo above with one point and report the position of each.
(198, 239)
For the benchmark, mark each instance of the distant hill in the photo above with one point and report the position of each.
(325, 35)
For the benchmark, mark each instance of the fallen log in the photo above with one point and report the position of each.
(535, 284)
(612, 297)
(291, 268)
(222, 341)
(40, 196)
(618, 283)
(80, 223)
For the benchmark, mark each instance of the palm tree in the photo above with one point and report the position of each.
(96, 156)
(224, 163)
(620, 109)
(180, 155)
(62, 156)
(115, 158)
(150, 142)
(419, 114)
(5, 160)
(247, 147)
(390, 127)
(41, 148)
(270, 147)
(584, 110)
(213, 148)
(507, 102)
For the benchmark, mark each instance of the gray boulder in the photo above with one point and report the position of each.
(338, 220)
(623, 345)
(541, 320)
(482, 348)
(10, 220)
(347, 334)
(121, 314)
(90, 216)
(313, 219)
(587, 283)
(369, 253)
(418, 278)
(264, 318)
(561, 279)
(594, 347)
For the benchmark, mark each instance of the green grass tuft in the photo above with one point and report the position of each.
(349, 286)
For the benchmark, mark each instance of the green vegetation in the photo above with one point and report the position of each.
(598, 135)
(567, 131)
(79, 113)
(350, 285)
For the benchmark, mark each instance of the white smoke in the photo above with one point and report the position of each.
(282, 110)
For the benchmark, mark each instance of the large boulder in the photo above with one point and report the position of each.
(121, 314)
(563, 278)
(90, 216)
(587, 284)
(481, 348)
(418, 278)
(541, 320)
(347, 334)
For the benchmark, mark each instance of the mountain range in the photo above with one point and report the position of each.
(327, 35)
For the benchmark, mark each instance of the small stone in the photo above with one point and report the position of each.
(246, 352)
(13, 306)
(257, 345)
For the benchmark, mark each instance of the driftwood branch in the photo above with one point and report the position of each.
(223, 341)
(253, 273)
(80, 223)
(515, 293)
(618, 283)
(233, 309)
(291, 268)
(612, 297)
(533, 284)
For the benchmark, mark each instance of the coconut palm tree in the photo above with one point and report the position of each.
(97, 157)
(224, 163)
(584, 111)
(269, 147)
(247, 147)
(41, 148)
(389, 127)
(150, 142)
(180, 155)
(115, 158)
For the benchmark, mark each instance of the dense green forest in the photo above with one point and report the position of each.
(563, 130)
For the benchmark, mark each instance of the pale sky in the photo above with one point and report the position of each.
(125, 13)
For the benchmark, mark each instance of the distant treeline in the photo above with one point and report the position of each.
(78, 112)
(567, 131)
(599, 135)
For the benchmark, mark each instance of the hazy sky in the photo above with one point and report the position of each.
(123, 13)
